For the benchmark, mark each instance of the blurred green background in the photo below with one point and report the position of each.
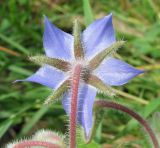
(21, 105)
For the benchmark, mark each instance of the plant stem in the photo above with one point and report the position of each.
(74, 98)
(106, 104)
(30, 143)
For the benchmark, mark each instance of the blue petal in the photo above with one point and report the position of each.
(98, 36)
(57, 43)
(86, 99)
(115, 72)
(48, 76)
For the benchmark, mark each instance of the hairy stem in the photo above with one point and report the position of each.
(106, 104)
(30, 143)
(74, 99)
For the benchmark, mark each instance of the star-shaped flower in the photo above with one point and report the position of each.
(92, 49)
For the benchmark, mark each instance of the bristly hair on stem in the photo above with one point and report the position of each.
(42, 138)
(74, 103)
(33, 143)
(107, 104)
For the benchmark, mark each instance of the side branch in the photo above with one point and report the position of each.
(106, 104)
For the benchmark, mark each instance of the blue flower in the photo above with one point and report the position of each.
(100, 69)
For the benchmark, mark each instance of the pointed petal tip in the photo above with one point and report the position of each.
(17, 81)
(23, 80)
(46, 20)
(98, 35)
(87, 133)
(115, 72)
(110, 14)
(57, 43)
(43, 76)
(140, 71)
(86, 99)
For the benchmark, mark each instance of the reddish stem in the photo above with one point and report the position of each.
(74, 98)
(29, 143)
(106, 104)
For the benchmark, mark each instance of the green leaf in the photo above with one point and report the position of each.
(87, 12)
(14, 44)
(155, 122)
(37, 116)
(20, 70)
(151, 107)
(5, 126)
(93, 144)
(98, 135)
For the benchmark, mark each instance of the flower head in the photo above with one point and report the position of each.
(92, 49)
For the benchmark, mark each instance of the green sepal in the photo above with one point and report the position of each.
(56, 94)
(51, 137)
(98, 83)
(57, 63)
(78, 48)
(96, 61)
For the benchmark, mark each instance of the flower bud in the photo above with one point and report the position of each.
(49, 136)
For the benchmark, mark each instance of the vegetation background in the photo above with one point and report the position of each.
(21, 105)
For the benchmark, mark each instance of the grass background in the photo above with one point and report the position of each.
(21, 105)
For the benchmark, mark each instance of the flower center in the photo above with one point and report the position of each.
(85, 72)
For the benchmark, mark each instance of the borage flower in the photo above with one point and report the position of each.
(92, 50)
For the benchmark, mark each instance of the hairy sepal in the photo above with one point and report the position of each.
(42, 138)
(96, 61)
(49, 136)
(98, 83)
(78, 49)
(56, 94)
(57, 63)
